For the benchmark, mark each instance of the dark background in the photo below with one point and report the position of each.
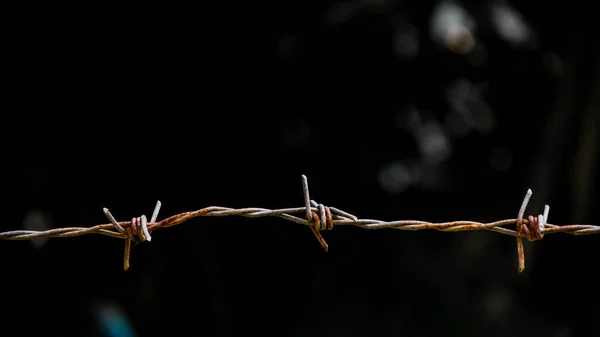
(227, 105)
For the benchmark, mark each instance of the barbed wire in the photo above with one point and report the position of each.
(317, 216)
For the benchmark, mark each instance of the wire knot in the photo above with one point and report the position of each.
(323, 220)
(136, 230)
(315, 222)
(532, 229)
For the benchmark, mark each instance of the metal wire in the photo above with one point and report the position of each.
(318, 218)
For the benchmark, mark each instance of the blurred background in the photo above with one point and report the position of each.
(429, 110)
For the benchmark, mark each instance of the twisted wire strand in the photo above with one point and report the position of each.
(287, 214)
(318, 218)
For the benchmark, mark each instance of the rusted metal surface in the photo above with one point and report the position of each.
(317, 216)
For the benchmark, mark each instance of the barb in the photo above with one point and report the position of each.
(318, 217)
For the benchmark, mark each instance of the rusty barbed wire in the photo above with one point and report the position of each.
(318, 217)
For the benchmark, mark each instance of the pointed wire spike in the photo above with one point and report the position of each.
(112, 220)
(306, 198)
(520, 250)
(110, 217)
(127, 254)
(546, 213)
(155, 213)
(524, 204)
(521, 254)
(320, 238)
(541, 221)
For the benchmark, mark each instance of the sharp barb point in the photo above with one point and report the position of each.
(524, 205)
(520, 250)
(114, 221)
(306, 198)
(546, 213)
(156, 210)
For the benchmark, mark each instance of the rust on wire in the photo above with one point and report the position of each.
(136, 231)
(318, 217)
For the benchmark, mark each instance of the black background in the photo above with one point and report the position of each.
(117, 107)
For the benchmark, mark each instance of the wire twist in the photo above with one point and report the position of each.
(136, 231)
(318, 217)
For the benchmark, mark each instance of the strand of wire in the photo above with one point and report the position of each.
(288, 214)
(318, 217)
